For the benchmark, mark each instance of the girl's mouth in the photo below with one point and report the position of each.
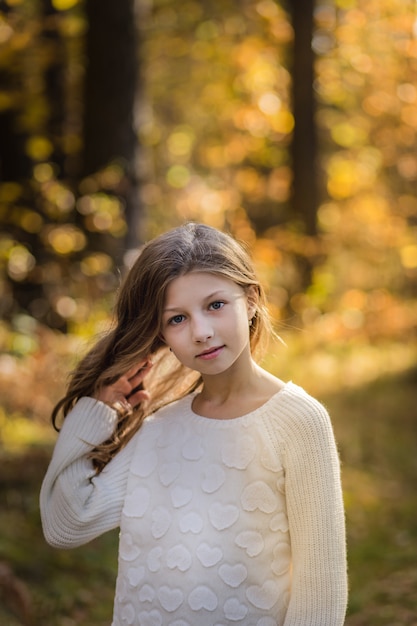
(212, 353)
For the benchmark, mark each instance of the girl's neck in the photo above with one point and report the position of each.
(227, 397)
(234, 382)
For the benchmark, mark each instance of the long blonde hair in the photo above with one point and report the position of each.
(136, 331)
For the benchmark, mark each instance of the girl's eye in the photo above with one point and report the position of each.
(177, 319)
(216, 305)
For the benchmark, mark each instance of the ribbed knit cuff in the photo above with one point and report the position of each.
(91, 421)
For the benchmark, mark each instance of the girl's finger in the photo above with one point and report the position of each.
(140, 374)
(136, 369)
(127, 386)
(138, 397)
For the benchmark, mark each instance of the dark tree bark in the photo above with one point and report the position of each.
(32, 293)
(304, 145)
(15, 165)
(110, 83)
(111, 89)
(53, 43)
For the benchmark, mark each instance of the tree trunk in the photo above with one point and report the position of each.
(110, 93)
(54, 46)
(304, 145)
(110, 82)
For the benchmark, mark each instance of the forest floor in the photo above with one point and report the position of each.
(376, 428)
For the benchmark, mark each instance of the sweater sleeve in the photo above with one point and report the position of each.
(315, 515)
(76, 503)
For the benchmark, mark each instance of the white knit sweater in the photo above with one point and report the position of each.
(222, 522)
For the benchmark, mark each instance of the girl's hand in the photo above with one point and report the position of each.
(127, 392)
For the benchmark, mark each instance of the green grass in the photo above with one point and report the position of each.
(376, 429)
(42, 586)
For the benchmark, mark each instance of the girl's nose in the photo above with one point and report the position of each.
(201, 330)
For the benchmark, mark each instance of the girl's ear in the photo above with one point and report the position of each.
(252, 297)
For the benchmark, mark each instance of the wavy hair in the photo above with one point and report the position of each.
(136, 332)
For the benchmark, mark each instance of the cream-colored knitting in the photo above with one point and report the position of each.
(222, 521)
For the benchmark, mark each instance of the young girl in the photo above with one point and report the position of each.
(228, 497)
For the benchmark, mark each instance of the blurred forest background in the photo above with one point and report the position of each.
(291, 124)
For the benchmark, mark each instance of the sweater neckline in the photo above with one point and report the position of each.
(240, 418)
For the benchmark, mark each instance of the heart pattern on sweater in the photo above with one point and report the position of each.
(235, 610)
(147, 594)
(258, 495)
(209, 503)
(128, 614)
(207, 555)
(136, 575)
(202, 597)
(170, 599)
(128, 550)
(279, 522)
(233, 575)
(213, 478)
(161, 521)
(180, 496)
(282, 558)
(266, 621)
(154, 559)
(204, 533)
(191, 523)
(223, 515)
(263, 596)
(150, 618)
(179, 557)
(168, 473)
(251, 541)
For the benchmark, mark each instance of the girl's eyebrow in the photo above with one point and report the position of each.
(215, 294)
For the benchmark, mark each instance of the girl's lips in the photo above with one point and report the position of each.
(207, 355)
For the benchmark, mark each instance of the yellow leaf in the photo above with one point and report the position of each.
(39, 148)
(342, 181)
(283, 122)
(64, 5)
(409, 256)
(347, 135)
(66, 239)
(178, 176)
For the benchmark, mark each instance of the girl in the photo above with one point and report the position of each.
(228, 497)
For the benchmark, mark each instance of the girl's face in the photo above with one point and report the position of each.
(206, 321)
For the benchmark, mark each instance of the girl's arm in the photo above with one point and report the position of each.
(76, 503)
(316, 520)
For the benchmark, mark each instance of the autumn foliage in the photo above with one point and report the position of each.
(121, 119)
(213, 123)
